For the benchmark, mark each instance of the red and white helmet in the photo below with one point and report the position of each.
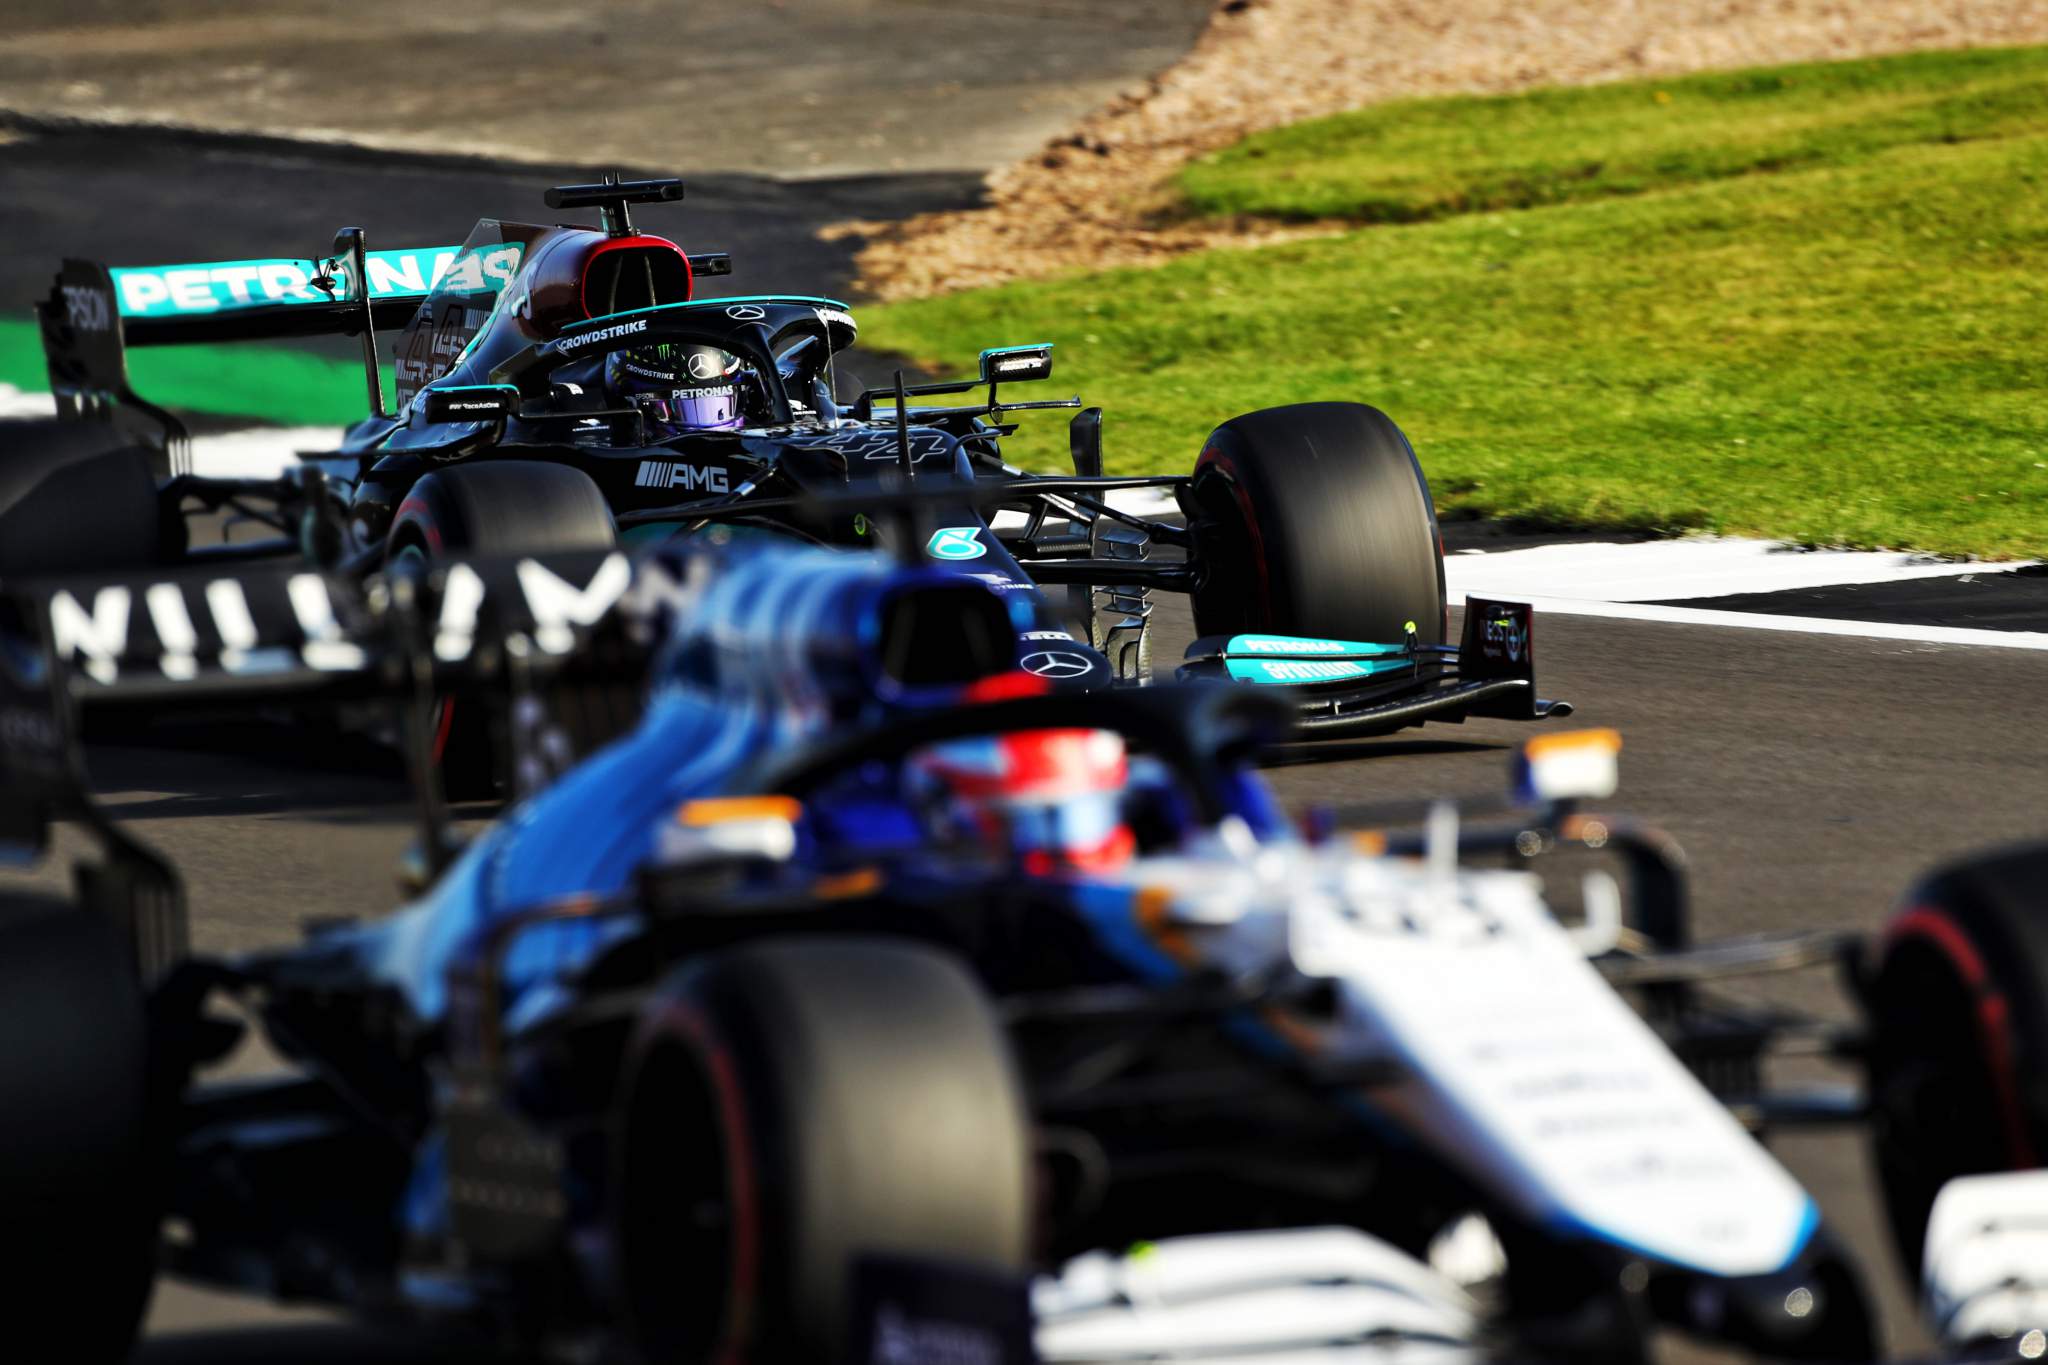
(1052, 798)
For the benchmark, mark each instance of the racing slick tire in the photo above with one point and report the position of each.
(78, 1175)
(1316, 520)
(75, 496)
(1959, 1034)
(789, 1106)
(502, 507)
(496, 507)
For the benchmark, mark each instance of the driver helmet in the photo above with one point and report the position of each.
(677, 388)
(1052, 799)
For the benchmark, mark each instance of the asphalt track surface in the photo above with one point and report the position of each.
(1809, 777)
(781, 87)
(129, 197)
(2017, 600)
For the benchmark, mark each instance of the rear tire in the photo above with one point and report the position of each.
(77, 496)
(791, 1105)
(505, 507)
(1959, 1021)
(78, 1174)
(502, 507)
(1316, 520)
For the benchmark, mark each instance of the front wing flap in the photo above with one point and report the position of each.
(1350, 688)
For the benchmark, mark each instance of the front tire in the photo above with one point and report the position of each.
(791, 1105)
(78, 1173)
(1959, 1034)
(1316, 520)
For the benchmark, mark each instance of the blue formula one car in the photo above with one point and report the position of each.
(870, 971)
(562, 386)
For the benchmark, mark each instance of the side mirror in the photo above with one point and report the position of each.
(1084, 442)
(1576, 765)
(417, 873)
(1011, 364)
(472, 403)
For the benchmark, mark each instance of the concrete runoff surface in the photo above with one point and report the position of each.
(1809, 779)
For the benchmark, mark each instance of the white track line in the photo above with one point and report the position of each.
(1693, 566)
(15, 403)
(1628, 582)
(255, 453)
(1805, 625)
(259, 454)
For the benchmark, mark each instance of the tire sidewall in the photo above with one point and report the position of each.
(790, 1110)
(77, 496)
(1960, 1004)
(500, 507)
(1316, 520)
(80, 1172)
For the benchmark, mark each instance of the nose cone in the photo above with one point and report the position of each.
(1067, 664)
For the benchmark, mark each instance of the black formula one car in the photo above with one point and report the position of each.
(871, 973)
(558, 386)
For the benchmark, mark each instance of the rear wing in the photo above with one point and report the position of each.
(252, 300)
(93, 314)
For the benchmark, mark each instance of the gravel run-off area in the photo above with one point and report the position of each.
(1100, 194)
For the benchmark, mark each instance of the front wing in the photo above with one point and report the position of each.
(1347, 689)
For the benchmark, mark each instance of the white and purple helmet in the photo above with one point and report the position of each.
(677, 388)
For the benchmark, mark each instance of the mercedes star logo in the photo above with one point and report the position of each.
(704, 365)
(1052, 663)
(746, 312)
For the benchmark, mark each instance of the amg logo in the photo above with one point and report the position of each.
(1311, 671)
(674, 474)
(1254, 644)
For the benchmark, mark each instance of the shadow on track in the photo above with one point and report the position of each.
(1296, 755)
(312, 806)
(309, 1344)
(305, 749)
(152, 783)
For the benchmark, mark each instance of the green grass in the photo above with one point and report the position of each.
(1423, 159)
(1854, 352)
(263, 383)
